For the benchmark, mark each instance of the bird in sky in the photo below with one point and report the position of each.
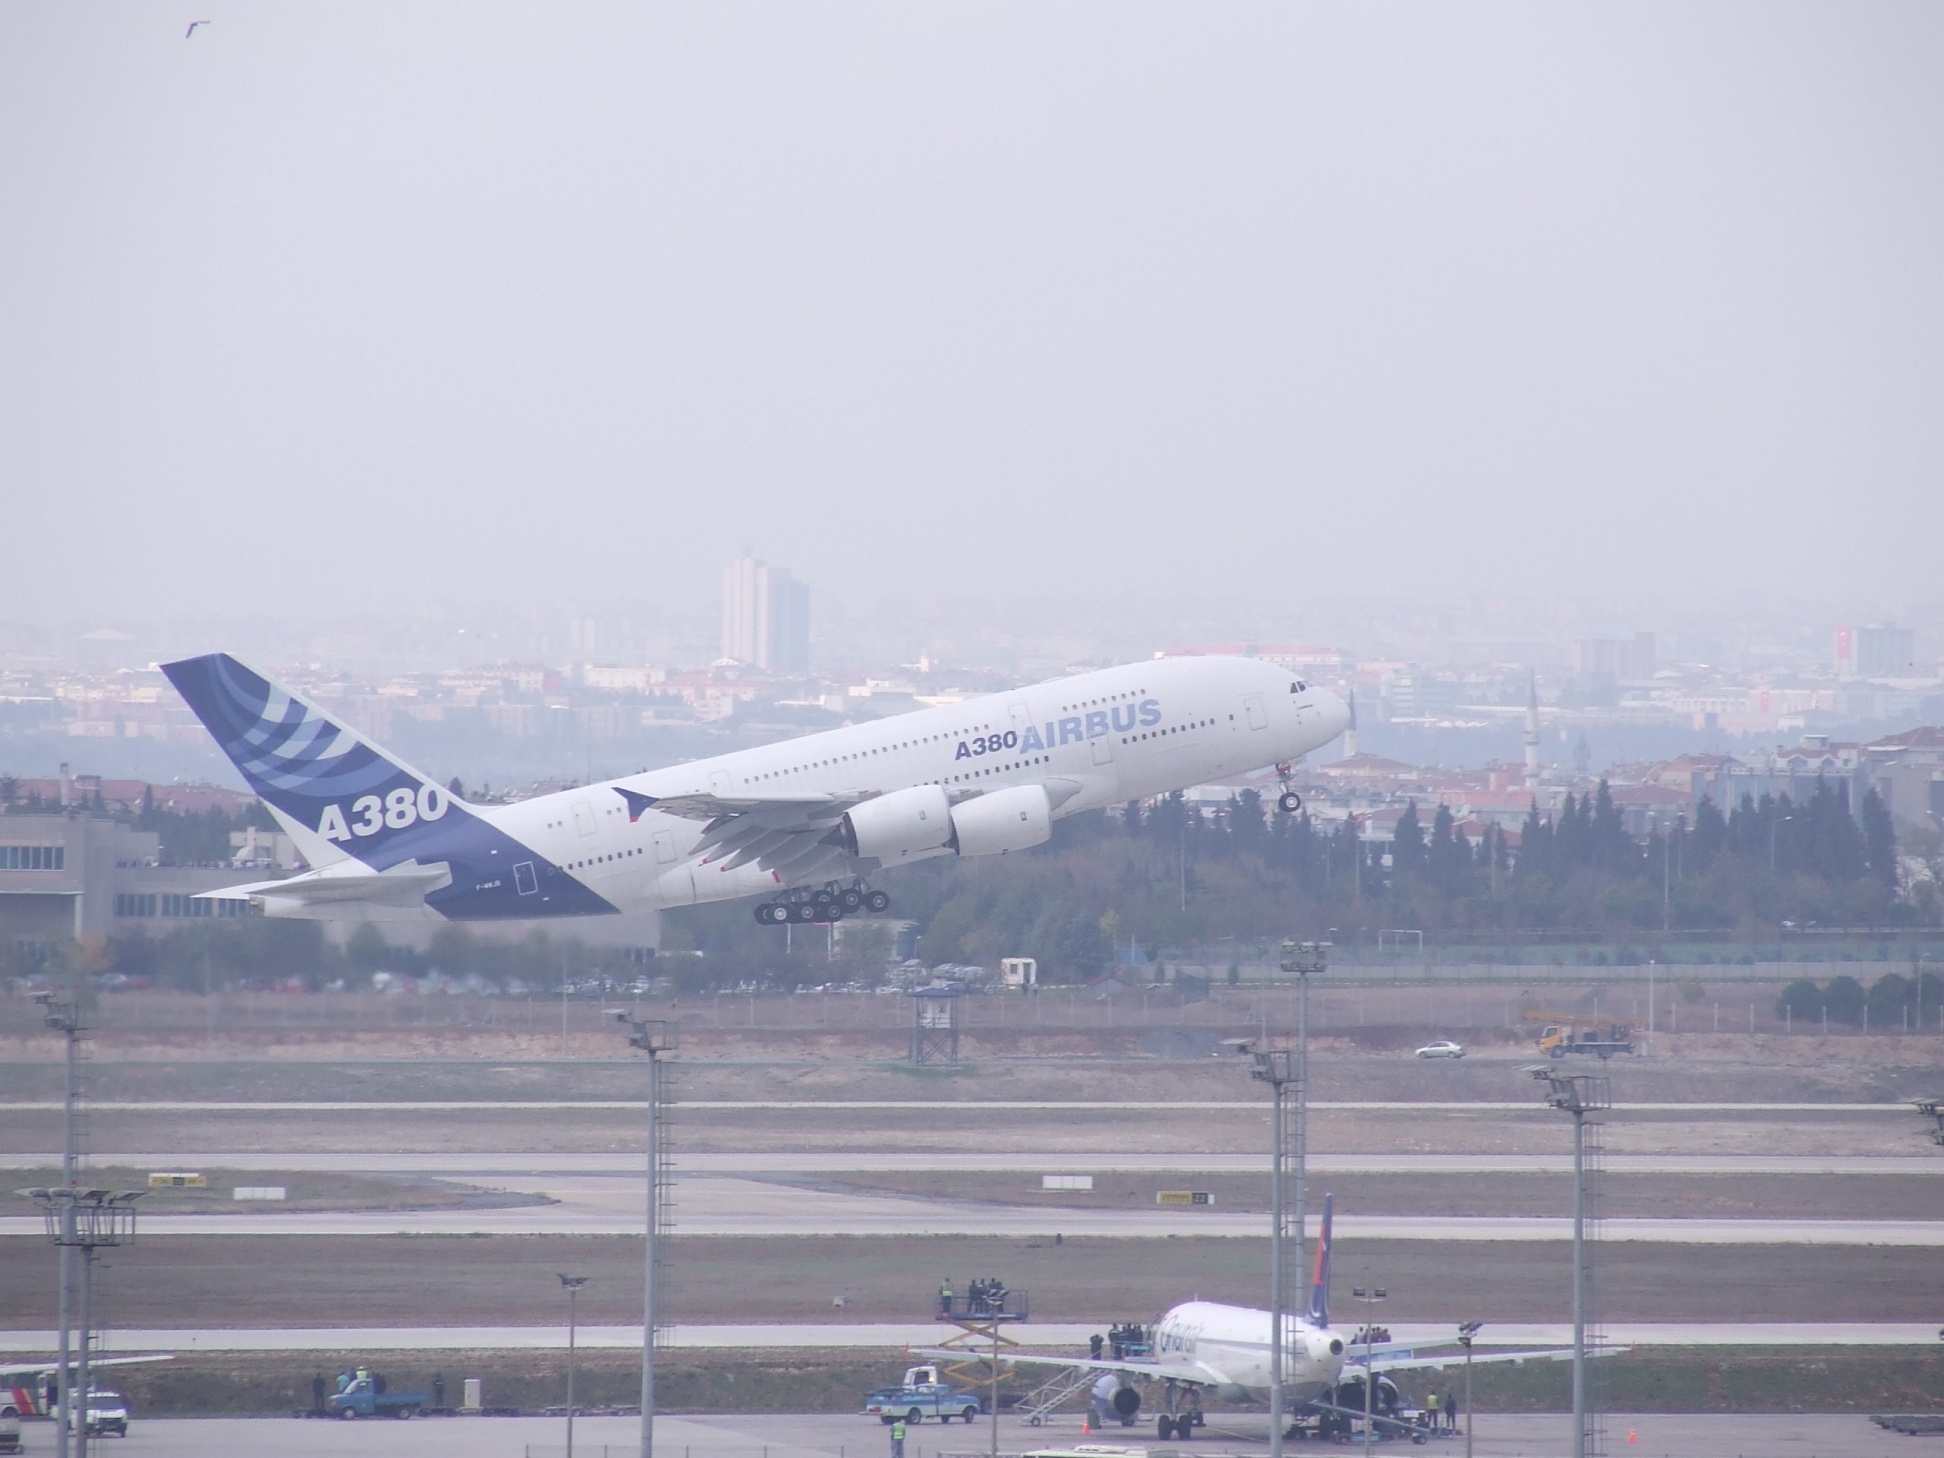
(192, 28)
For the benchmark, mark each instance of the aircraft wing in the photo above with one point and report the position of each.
(1195, 1372)
(53, 1364)
(1408, 1361)
(403, 885)
(794, 836)
(710, 807)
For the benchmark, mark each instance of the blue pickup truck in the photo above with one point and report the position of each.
(919, 1396)
(364, 1398)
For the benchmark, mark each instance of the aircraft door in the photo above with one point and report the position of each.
(583, 817)
(1256, 710)
(719, 782)
(1022, 718)
(1103, 750)
(664, 847)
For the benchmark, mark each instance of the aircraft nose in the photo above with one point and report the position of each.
(1335, 714)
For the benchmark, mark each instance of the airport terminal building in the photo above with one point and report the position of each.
(69, 875)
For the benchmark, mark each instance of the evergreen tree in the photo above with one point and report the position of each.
(1407, 843)
(1611, 848)
(1535, 847)
(1708, 838)
(1879, 841)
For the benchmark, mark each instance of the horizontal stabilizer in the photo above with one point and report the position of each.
(403, 885)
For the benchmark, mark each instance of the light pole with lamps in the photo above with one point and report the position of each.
(1578, 1095)
(1369, 1299)
(573, 1285)
(1466, 1332)
(1278, 1068)
(653, 1037)
(1283, 1069)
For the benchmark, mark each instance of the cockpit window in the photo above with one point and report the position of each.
(1299, 687)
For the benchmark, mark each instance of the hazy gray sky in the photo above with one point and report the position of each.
(381, 306)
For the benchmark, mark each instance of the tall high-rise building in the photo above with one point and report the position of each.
(1875, 652)
(765, 616)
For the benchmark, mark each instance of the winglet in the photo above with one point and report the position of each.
(1320, 1280)
(637, 802)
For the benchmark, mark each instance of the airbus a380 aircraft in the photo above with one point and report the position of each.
(805, 822)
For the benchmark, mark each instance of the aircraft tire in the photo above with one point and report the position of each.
(851, 899)
(803, 913)
(1164, 1426)
(1289, 802)
(878, 901)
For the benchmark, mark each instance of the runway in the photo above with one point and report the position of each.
(811, 1162)
(722, 1206)
(833, 1335)
(927, 1106)
(833, 1435)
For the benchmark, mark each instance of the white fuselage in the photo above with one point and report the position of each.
(1106, 737)
(1231, 1343)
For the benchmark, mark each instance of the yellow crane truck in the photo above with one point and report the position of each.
(1561, 1033)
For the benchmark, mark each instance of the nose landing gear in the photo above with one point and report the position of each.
(1289, 802)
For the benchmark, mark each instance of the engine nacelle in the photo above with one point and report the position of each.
(1005, 820)
(899, 826)
(1112, 1393)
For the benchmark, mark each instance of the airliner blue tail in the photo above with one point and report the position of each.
(1319, 1308)
(343, 798)
(305, 764)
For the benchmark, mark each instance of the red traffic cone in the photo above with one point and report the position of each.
(1630, 1436)
(1086, 1424)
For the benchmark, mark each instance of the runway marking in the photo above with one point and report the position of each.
(719, 1206)
(1143, 1106)
(779, 1162)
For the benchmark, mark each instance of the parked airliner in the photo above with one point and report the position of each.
(804, 823)
(1208, 1348)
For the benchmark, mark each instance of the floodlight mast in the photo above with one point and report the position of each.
(572, 1285)
(1282, 1068)
(1276, 1067)
(653, 1037)
(1467, 1333)
(1577, 1095)
(62, 1012)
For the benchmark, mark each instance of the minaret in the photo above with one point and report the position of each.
(1532, 732)
(1350, 734)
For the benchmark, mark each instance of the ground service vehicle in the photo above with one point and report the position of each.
(362, 1399)
(10, 1435)
(916, 1401)
(1564, 1033)
(107, 1413)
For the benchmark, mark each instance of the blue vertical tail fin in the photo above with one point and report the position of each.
(337, 794)
(1319, 1304)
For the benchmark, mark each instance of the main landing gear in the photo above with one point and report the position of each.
(829, 902)
(1183, 1415)
(1289, 802)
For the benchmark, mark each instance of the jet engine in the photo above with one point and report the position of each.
(899, 826)
(1005, 820)
(1112, 1394)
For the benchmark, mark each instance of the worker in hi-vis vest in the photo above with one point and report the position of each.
(897, 1439)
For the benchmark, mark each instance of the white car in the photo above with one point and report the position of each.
(1443, 1048)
